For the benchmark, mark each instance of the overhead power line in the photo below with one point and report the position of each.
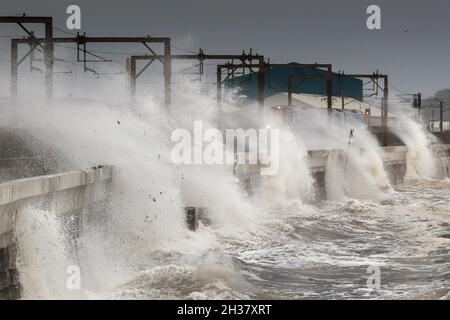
(64, 31)
(185, 50)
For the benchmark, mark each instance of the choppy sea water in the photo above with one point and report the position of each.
(319, 252)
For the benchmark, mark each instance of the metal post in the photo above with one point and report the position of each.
(81, 42)
(329, 86)
(385, 110)
(14, 67)
(329, 89)
(133, 79)
(167, 69)
(419, 106)
(48, 48)
(128, 67)
(167, 58)
(84, 57)
(32, 46)
(261, 83)
(219, 86)
(128, 71)
(48, 57)
(219, 97)
(441, 114)
(289, 91)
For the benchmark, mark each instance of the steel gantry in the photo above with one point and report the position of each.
(246, 62)
(329, 82)
(81, 41)
(374, 77)
(265, 67)
(48, 49)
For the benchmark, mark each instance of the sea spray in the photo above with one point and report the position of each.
(145, 192)
(293, 181)
(354, 167)
(293, 253)
(43, 255)
(146, 212)
(335, 182)
(420, 162)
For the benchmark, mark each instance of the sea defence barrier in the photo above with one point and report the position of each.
(394, 161)
(441, 155)
(67, 193)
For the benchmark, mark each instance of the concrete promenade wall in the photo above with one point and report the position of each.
(394, 161)
(60, 193)
(393, 157)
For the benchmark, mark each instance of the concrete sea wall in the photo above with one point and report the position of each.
(394, 161)
(63, 193)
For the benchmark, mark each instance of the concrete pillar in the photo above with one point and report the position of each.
(191, 218)
(9, 282)
(194, 215)
(319, 186)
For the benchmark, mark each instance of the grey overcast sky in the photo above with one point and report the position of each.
(413, 46)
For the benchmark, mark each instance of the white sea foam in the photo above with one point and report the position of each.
(140, 247)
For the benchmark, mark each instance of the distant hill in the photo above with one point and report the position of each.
(443, 94)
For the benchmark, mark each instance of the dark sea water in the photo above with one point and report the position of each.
(326, 251)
